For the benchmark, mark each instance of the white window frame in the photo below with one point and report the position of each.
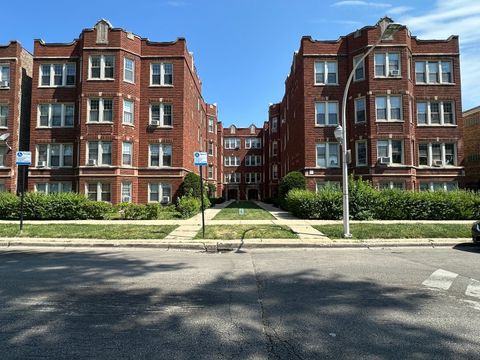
(102, 67)
(253, 143)
(122, 191)
(431, 185)
(126, 112)
(362, 66)
(1, 75)
(3, 153)
(50, 117)
(160, 186)
(274, 124)
(210, 171)
(160, 155)
(274, 171)
(100, 111)
(125, 59)
(387, 65)
(231, 143)
(52, 75)
(61, 186)
(427, 72)
(326, 104)
(99, 191)
(357, 162)
(391, 184)
(327, 155)
(236, 177)
(443, 154)
(124, 153)
(362, 99)
(4, 126)
(99, 152)
(49, 155)
(253, 160)
(325, 72)
(210, 149)
(253, 178)
(389, 108)
(228, 160)
(162, 114)
(162, 74)
(428, 120)
(211, 124)
(274, 148)
(390, 151)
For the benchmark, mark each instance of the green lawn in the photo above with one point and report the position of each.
(232, 232)
(113, 231)
(251, 212)
(398, 231)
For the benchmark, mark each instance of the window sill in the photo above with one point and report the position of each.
(360, 123)
(325, 126)
(160, 167)
(129, 125)
(3, 127)
(437, 125)
(101, 79)
(435, 84)
(389, 121)
(358, 80)
(98, 166)
(336, 84)
(99, 123)
(5, 88)
(329, 167)
(129, 82)
(53, 127)
(160, 126)
(161, 86)
(388, 77)
(57, 86)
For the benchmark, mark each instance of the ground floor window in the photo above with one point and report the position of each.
(160, 193)
(385, 185)
(320, 185)
(99, 191)
(2, 187)
(54, 187)
(126, 192)
(439, 186)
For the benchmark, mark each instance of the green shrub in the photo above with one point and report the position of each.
(363, 199)
(130, 211)
(188, 206)
(293, 180)
(98, 210)
(191, 185)
(9, 206)
(305, 204)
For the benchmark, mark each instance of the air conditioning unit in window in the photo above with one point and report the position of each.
(92, 162)
(4, 83)
(384, 160)
(438, 163)
(42, 164)
(155, 123)
(165, 199)
(394, 72)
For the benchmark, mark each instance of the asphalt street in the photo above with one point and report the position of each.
(398, 303)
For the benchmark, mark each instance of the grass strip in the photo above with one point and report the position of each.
(87, 231)
(398, 231)
(251, 212)
(234, 232)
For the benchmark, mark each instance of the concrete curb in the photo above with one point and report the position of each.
(231, 245)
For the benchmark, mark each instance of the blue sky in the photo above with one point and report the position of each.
(243, 48)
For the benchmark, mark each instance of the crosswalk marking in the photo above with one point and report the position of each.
(473, 289)
(440, 279)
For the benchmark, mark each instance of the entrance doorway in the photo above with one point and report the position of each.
(252, 194)
(232, 194)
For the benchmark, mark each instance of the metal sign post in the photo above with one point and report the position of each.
(23, 159)
(200, 159)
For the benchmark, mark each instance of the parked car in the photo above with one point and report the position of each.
(476, 232)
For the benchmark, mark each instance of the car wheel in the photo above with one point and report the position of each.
(476, 239)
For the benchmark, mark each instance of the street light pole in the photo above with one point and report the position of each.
(387, 30)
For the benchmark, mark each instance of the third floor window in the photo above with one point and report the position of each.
(101, 67)
(55, 115)
(231, 143)
(326, 113)
(57, 75)
(3, 115)
(161, 74)
(129, 70)
(161, 114)
(326, 73)
(388, 108)
(435, 113)
(4, 75)
(100, 110)
(433, 72)
(387, 64)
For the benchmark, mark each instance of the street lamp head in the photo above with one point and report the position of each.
(4, 137)
(338, 132)
(390, 29)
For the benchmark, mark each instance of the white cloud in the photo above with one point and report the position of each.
(361, 3)
(399, 10)
(455, 17)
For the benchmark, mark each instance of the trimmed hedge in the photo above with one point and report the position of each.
(154, 211)
(293, 180)
(369, 203)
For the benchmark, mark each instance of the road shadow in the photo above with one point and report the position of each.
(74, 305)
(468, 247)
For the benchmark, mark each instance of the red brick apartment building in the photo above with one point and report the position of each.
(471, 137)
(118, 117)
(404, 113)
(15, 87)
(243, 159)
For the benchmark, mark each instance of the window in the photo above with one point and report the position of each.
(129, 70)
(326, 113)
(54, 155)
(274, 148)
(327, 155)
(232, 178)
(160, 155)
(438, 186)
(99, 191)
(274, 171)
(127, 153)
(253, 143)
(274, 124)
(433, 72)
(253, 160)
(100, 110)
(102, 67)
(231, 143)
(57, 75)
(53, 187)
(435, 113)
(325, 73)
(390, 151)
(128, 114)
(210, 149)
(161, 74)
(360, 111)
(253, 178)
(99, 153)
(210, 172)
(2, 187)
(360, 70)
(210, 125)
(321, 185)
(387, 185)
(361, 153)
(387, 64)
(4, 75)
(437, 154)
(231, 160)
(3, 115)
(388, 108)
(160, 193)
(3, 153)
(161, 115)
(55, 115)
(126, 192)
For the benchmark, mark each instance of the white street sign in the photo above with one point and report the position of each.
(24, 158)
(200, 158)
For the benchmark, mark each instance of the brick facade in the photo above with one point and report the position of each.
(471, 136)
